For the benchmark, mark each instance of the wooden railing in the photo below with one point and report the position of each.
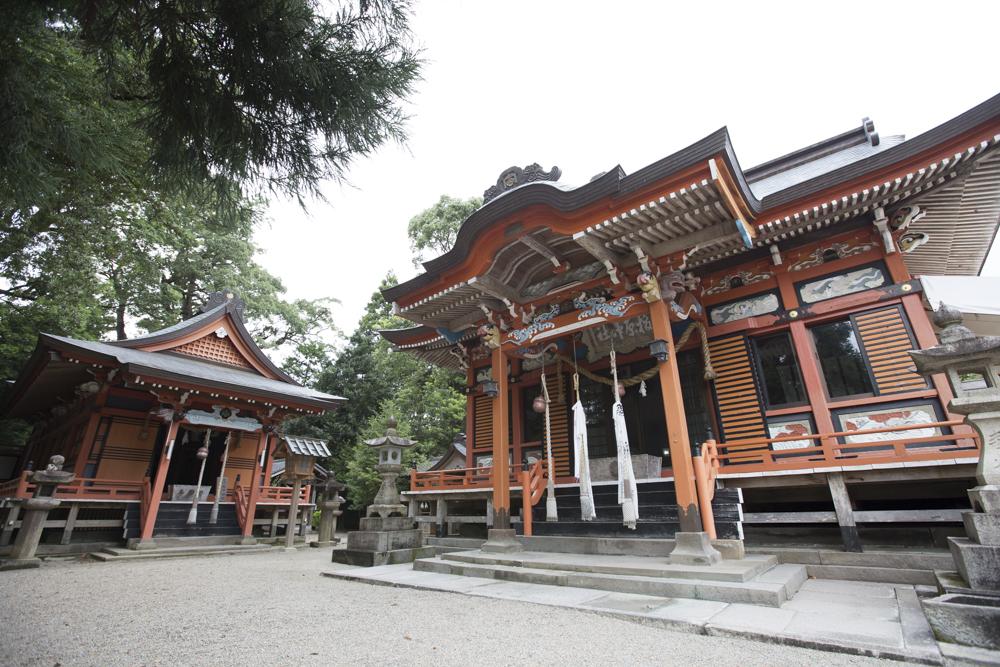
(458, 478)
(832, 450)
(281, 495)
(532, 488)
(706, 469)
(241, 498)
(84, 488)
(17, 487)
(823, 450)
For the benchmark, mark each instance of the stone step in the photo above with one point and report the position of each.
(891, 567)
(616, 546)
(121, 554)
(764, 591)
(602, 527)
(643, 566)
(459, 542)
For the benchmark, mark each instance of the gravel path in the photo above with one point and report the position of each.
(275, 609)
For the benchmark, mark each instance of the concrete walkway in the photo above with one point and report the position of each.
(860, 618)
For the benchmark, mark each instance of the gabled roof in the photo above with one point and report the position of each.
(224, 309)
(833, 180)
(166, 356)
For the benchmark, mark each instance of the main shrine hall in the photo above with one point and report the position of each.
(753, 324)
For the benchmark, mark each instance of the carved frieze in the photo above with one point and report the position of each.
(738, 279)
(823, 253)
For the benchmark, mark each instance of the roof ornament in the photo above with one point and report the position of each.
(512, 177)
(869, 127)
(216, 299)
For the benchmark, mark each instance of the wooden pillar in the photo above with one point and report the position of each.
(812, 377)
(156, 490)
(262, 446)
(74, 510)
(517, 403)
(275, 513)
(501, 472)
(923, 331)
(470, 417)
(90, 432)
(293, 513)
(677, 434)
(845, 513)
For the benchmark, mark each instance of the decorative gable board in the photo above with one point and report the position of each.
(213, 347)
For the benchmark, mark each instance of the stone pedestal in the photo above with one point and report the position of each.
(22, 555)
(978, 555)
(329, 511)
(383, 541)
(694, 549)
(35, 511)
(501, 541)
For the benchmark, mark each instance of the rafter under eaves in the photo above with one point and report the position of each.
(611, 260)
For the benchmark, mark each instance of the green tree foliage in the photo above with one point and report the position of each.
(269, 93)
(433, 231)
(379, 383)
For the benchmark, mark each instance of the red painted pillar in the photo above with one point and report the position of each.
(677, 434)
(470, 417)
(156, 491)
(501, 471)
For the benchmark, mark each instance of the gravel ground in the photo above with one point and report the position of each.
(275, 609)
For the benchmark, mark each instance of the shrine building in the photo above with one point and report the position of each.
(170, 435)
(759, 320)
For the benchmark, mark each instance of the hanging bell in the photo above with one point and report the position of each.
(202, 453)
(621, 389)
(538, 405)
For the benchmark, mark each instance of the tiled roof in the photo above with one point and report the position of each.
(305, 446)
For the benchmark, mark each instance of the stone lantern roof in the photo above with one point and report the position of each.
(958, 344)
(391, 437)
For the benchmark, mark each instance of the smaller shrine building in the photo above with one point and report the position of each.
(141, 421)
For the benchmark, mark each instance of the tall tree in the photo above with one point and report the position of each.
(433, 231)
(274, 94)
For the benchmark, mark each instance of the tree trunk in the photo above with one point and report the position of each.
(120, 321)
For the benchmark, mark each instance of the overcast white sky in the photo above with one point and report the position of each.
(588, 85)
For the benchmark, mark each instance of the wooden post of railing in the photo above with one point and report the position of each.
(526, 502)
(701, 459)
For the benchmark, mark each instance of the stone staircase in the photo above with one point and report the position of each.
(910, 567)
(171, 521)
(181, 547)
(658, 513)
(758, 580)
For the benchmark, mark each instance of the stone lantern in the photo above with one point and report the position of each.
(389, 448)
(329, 505)
(969, 612)
(300, 460)
(386, 534)
(36, 510)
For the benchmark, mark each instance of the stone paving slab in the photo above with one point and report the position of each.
(847, 617)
